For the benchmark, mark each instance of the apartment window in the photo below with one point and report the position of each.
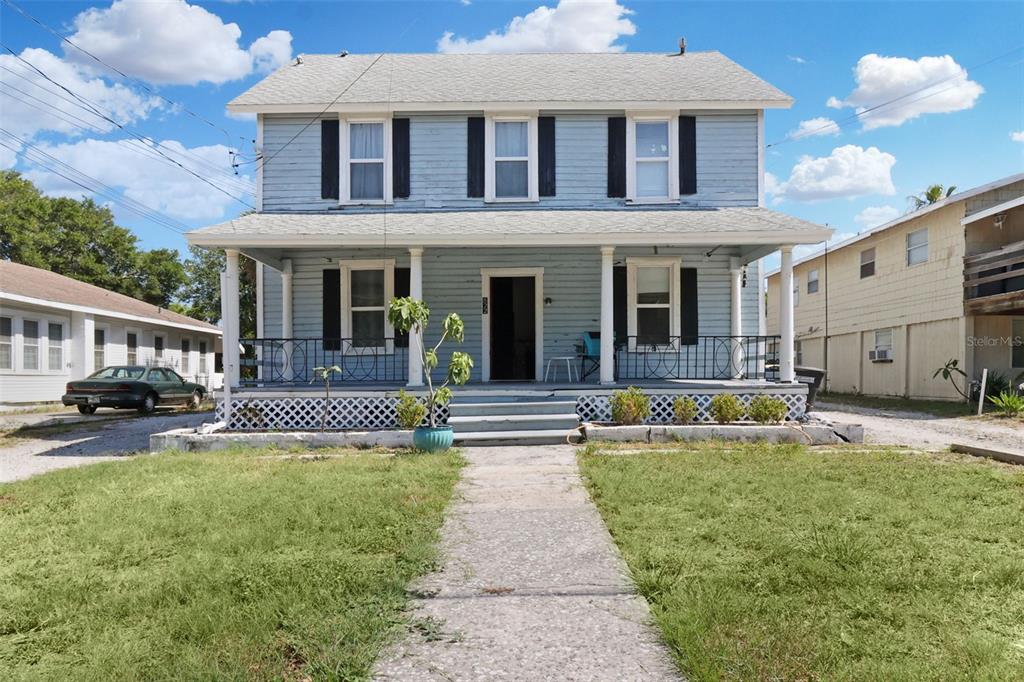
(30, 344)
(368, 151)
(812, 281)
(883, 346)
(867, 263)
(158, 348)
(369, 285)
(1017, 344)
(6, 343)
(186, 352)
(202, 358)
(99, 348)
(653, 294)
(917, 247)
(132, 343)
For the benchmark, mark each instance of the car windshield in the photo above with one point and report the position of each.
(118, 373)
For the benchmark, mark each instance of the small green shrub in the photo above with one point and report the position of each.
(1008, 403)
(685, 409)
(725, 408)
(410, 410)
(767, 410)
(630, 406)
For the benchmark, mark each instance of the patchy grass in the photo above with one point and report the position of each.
(779, 562)
(214, 566)
(936, 408)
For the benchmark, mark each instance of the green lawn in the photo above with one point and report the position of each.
(226, 566)
(777, 562)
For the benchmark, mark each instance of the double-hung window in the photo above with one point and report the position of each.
(99, 348)
(369, 285)
(917, 246)
(186, 353)
(653, 291)
(366, 161)
(132, 343)
(812, 281)
(55, 340)
(30, 345)
(511, 145)
(202, 358)
(867, 263)
(158, 348)
(651, 167)
(6, 343)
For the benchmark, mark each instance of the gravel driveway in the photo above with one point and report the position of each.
(925, 431)
(86, 443)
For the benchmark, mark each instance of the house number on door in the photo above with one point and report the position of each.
(483, 308)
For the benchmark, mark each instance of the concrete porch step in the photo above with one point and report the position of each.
(539, 437)
(514, 422)
(534, 407)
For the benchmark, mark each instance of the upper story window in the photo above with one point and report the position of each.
(366, 161)
(651, 165)
(511, 145)
(867, 263)
(917, 247)
(812, 281)
(6, 343)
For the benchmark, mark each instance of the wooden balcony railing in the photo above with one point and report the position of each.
(994, 280)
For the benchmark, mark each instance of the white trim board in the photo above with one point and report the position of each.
(485, 318)
(69, 307)
(404, 108)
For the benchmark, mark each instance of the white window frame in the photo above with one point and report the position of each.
(888, 347)
(347, 266)
(106, 343)
(39, 345)
(672, 195)
(533, 189)
(873, 261)
(138, 346)
(62, 368)
(13, 343)
(918, 247)
(344, 177)
(158, 360)
(813, 276)
(185, 364)
(203, 366)
(674, 264)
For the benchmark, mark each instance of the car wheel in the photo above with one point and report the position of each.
(195, 400)
(87, 409)
(148, 404)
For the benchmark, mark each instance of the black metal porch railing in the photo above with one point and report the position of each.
(285, 361)
(698, 357)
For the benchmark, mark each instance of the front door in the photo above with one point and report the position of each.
(513, 328)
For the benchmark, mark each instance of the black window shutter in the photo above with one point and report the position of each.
(400, 158)
(332, 309)
(546, 155)
(688, 310)
(617, 156)
(687, 155)
(401, 290)
(475, 161)
(620, 304)
(329, 159)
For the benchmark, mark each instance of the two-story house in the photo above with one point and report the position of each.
(598, 218)
(883, 310)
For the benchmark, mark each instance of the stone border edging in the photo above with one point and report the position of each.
(807, 434)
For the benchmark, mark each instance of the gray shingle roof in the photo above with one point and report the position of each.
(514, 227)
(410, 79)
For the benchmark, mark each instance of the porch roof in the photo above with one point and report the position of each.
(513, 227)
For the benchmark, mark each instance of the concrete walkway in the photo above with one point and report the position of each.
(532, 586)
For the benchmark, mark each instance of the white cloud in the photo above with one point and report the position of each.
(8, 157)
(797, 59)
(943, 84)
(813, 127)
(142, 176)
(873, 216)
(572, 26)
(849, 171)
(240, 115)
(1017, 136)
(31, 104)
(173, 42)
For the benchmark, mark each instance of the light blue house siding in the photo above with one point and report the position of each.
(572, 280)
(727, 166)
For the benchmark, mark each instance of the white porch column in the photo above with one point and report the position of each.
(83, 339)
(736, 318)
(415, 338)
(230, 309)
(286, 316)
(607, 316)
(787, 352)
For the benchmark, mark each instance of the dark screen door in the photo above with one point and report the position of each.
(513, 329)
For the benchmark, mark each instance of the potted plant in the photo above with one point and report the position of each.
(408, 314)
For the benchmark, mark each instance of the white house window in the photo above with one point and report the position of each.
(917, 247)
(883, 346)
(30, 344)
(55, 337)
(369, 286)
(186, 352)
(812, 281)
(6, 343)
(867, 263)
(653, 295)
(651, 168)
(367, 161)
(158, 348)
(99, 348)
(1017, 344)
(132, 343)
(202, 358)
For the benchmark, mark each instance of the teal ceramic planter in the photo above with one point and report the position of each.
(433, 439)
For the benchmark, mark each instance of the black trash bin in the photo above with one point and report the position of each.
(813, 377)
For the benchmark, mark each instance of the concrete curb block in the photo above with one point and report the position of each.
(991, 453)
(191, 441)
(807, 434)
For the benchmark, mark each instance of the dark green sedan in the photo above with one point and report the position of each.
(141, 388)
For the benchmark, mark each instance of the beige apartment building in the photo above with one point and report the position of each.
(883, 310)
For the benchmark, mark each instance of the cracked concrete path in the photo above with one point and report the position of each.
(531, 587)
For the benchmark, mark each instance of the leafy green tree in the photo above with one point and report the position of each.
(201, 294)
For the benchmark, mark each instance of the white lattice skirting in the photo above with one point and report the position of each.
(597, 408)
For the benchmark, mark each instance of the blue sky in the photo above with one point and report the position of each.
(960, 131)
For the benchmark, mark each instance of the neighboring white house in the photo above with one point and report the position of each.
(54, 329)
